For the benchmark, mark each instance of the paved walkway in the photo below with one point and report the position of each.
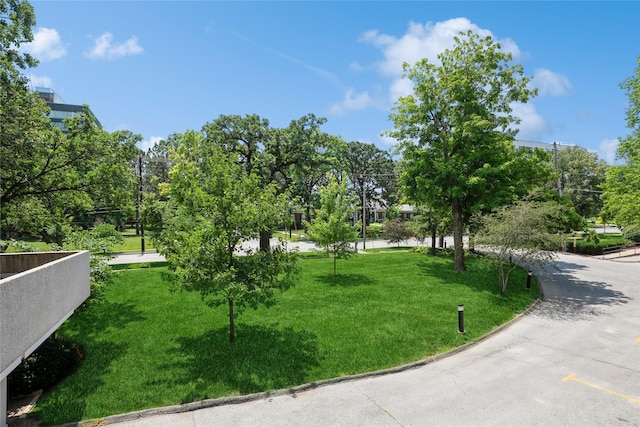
(301, 246)
(573, 360)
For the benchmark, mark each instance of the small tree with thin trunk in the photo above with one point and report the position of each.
(523, 233)
(331, 229)
(219, 206)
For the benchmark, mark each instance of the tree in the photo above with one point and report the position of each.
(582, 173)
(370, 169)
(521, 233)
(331, 229)
(278, 156)
(219, 206)
(50, 177)
(16, 18)
(396, 231)
(455, 130)
(622, 185)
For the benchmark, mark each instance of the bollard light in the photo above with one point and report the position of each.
(461, 318)
(529, 280)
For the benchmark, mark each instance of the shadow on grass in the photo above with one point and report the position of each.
(67, 401)
(480, 276)
(261, 358)
(345, 279)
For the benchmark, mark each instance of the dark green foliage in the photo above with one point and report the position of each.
(592, 247)
(55, 359)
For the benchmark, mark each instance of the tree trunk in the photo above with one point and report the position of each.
(502, 278)
(458, 229)
(434, 229)
(265, 237)
(334, 265)
(232, 332)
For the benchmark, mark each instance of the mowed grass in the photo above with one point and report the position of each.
(147, 346)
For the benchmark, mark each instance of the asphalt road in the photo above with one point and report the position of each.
(574, 360)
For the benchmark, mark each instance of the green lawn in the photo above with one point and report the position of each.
(146, 346)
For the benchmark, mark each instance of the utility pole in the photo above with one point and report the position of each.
(139, 205)
(555, 158)
(364, 214)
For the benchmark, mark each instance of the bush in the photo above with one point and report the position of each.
(632, 232)
(595, 248)
(51, 362)
(375, 230)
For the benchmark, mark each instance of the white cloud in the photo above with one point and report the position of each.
(46, 45)
(399, 88)
(607, 150)
(40, 81)
(387, 140)
(422, 41)
(104, 48)
(425, 41)
(146, 144)
(533, 125)
(550, 83)
(356, 66)
(352, 101)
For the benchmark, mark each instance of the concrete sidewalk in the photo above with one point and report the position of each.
(573, 360)
(301, 246)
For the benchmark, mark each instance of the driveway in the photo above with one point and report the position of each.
(573, 361)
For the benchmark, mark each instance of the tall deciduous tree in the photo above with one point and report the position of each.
(46, 176)
(372, 173)
(622, 186)
(280, 156)
(455, 130)
(331, 228)
(582, 173)
(220, 205)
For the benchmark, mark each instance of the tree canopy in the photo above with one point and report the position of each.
(455, 131)
(49, 177)
(219, 206)
(622, 186)
(581, 175)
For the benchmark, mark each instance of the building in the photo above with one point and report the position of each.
(60, 110)
(549, 147)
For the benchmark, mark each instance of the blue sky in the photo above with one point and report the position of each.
(163, 67)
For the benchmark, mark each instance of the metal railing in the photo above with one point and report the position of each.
(621, 251)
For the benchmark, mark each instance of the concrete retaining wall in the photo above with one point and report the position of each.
(43, 291)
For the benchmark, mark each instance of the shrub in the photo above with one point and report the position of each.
(632, 232)
(595, 248)
(51, 362)
(375, 230)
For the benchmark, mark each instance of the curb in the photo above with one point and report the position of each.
(210, 403)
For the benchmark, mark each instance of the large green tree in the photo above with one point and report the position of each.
(372, 173)
(219, 206)
(48, 177)
(455, 132)
(622, 186)
(276, 156)
(581, 175)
